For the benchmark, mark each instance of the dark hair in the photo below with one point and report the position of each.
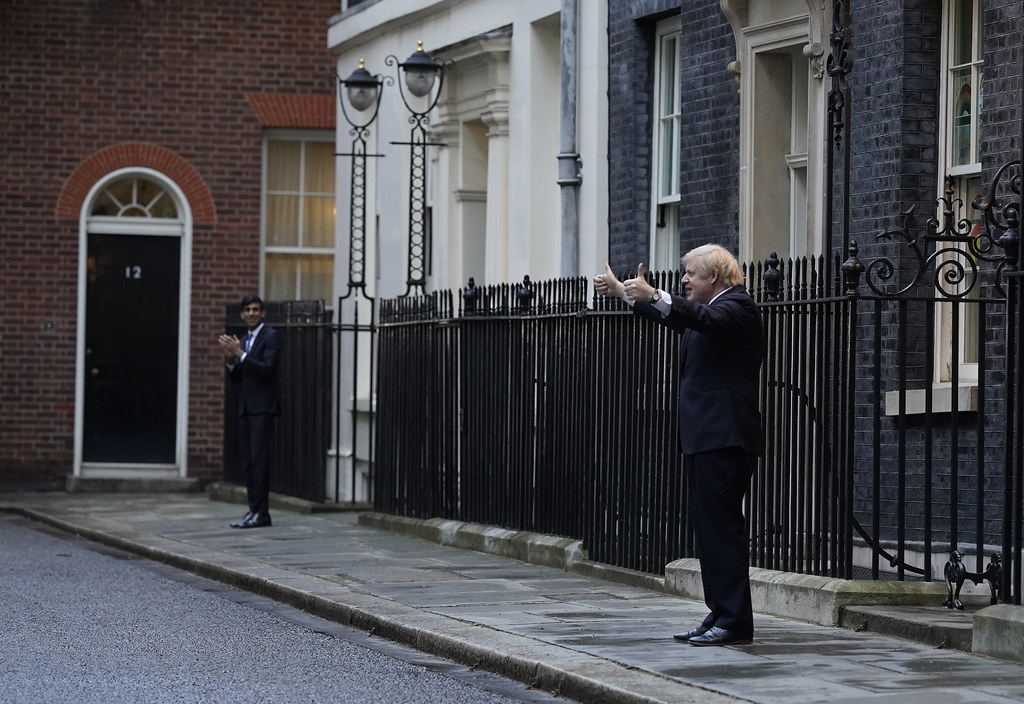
(250, 299)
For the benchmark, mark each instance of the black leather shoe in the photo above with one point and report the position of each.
(240, 523)
(720, 636)
(687, 635)
(257, 520)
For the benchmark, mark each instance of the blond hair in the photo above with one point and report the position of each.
(712, 258)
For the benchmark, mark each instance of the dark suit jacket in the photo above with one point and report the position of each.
(721, 352)
(257, 374)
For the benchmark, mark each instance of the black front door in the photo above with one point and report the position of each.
(131, 349)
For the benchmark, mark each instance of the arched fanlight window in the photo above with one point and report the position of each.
(134, 197)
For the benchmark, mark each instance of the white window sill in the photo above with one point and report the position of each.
(966, 400)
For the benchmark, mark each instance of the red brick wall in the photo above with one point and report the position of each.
(83, 81)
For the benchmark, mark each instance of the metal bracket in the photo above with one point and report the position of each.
(570, 169)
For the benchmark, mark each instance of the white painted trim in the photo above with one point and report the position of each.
(811, 30)
(105, 470)
(942, 342)
(941, 401)
(665, 28)
(183, 228)
(303, 136)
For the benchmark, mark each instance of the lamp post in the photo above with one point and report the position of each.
(364, 93)
(421, 74)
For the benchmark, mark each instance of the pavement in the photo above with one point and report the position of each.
(591, 634)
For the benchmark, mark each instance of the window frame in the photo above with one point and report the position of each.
(792, 38)
(300, 250)
(962, 175)
(664, 208)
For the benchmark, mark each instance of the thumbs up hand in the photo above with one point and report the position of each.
(607, 284)
(638, 289)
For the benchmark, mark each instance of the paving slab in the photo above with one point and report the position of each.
(586, 638)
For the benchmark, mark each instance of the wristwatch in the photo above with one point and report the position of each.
(656, 296)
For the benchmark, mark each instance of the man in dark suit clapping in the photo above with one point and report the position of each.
(720, 432)
(252, 363)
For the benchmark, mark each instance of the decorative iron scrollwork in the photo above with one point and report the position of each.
(840, 63)
(1002, 220)
(958, 245)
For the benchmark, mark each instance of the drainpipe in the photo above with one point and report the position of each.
(569, 165)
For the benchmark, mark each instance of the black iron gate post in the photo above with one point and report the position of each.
(1013, 487)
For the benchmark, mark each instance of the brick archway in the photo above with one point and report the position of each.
(120, 156)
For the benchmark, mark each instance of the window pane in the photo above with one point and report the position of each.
(668, 158)
(104, 205)
(963, 113)
(279, 277)
(317, 275)
(963, 32)
(122, 191)
(134, 197)
(283, 164)
(668, 75)
(163, 207)
(282, 221)
(319, 167)
(318, 222)
(978, 26)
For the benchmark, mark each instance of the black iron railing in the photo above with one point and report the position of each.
(526, 409)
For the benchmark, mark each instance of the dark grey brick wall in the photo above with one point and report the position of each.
(894, 117)
(710, 126)
(709, 173)
(1001, 116)
(631, 27)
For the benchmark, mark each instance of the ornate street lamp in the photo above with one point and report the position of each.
(421, 74)
(364, 93)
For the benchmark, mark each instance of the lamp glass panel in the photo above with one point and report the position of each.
(361, 96)
(419, 81)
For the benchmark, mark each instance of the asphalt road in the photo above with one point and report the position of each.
(82, 623)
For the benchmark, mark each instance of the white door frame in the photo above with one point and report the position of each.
(182, 228)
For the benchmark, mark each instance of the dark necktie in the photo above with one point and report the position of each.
(248, 342)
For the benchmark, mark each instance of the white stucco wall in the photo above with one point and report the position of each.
(505, 184)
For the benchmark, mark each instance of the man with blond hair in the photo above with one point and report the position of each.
(720, 432)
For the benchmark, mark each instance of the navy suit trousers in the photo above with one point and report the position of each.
(257, 433)
(717, 481)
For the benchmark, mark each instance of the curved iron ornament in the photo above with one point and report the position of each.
(838, 65)
(1004, 218)
(951, 247)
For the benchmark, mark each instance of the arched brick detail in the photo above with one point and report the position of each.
(307, 111)
(121, 156)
